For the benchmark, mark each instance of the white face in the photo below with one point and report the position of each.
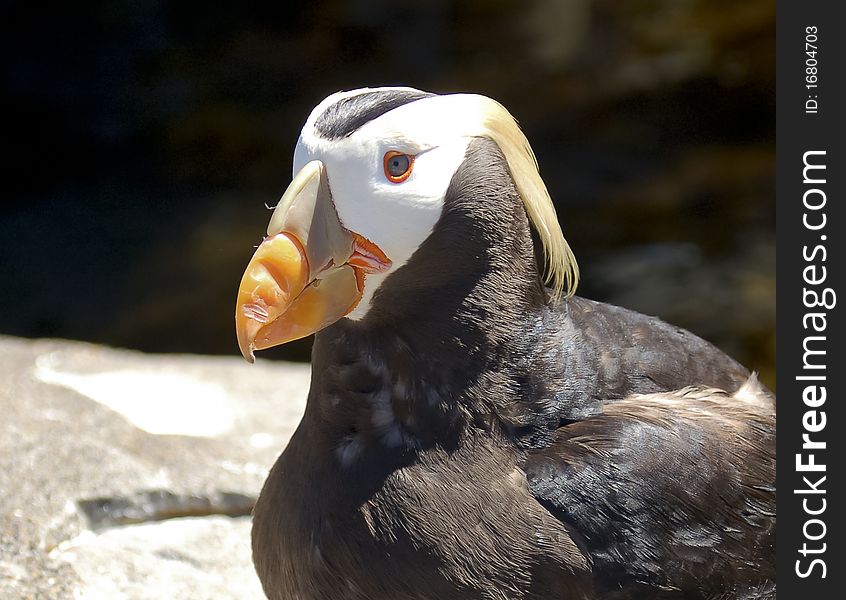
(397, 217)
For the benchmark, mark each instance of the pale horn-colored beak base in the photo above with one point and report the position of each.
(308, 273)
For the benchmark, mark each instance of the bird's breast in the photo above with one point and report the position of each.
(445, 525)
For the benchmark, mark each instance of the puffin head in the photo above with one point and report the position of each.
(372, 168)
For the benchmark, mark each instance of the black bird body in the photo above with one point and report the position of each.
(472, 438)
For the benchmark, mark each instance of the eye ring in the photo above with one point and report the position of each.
(397, 166)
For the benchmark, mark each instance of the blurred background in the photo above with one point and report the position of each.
(143, 140)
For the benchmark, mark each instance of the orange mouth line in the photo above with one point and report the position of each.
(367, 256)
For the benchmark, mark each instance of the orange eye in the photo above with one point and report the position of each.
(398, 166)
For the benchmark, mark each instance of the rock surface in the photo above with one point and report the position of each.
(131, 476)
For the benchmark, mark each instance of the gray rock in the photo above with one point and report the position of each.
(126, 475)
(202, 558)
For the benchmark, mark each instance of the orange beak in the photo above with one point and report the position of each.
(307, 273)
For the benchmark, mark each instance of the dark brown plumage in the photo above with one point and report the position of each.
(671, 493)
(472, 439)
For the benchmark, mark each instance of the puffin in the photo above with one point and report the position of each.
(473, 429)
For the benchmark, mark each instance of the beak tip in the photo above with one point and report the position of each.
(248, 352)
(246, 333)
(249, 356)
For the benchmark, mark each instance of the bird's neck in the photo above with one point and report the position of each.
(455, 341)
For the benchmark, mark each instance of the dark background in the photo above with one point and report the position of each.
(142, 140)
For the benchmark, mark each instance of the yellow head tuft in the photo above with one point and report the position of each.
(497, 124)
